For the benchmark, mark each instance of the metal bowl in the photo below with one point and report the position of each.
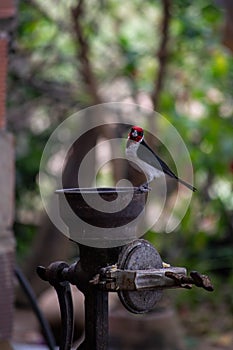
(84, 202)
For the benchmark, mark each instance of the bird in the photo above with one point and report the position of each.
(144, 159)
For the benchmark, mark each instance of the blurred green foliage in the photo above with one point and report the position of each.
(46, 85)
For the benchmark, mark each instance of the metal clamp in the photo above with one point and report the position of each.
(139, 276)
(112, 279)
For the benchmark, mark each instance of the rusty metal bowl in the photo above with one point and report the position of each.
(75, 197)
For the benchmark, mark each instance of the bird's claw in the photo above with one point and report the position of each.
(144, 188)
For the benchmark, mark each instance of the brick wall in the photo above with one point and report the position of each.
(7, 244)
(7, 13)
(3, 73)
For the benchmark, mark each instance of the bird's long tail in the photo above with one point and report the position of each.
(187, 185)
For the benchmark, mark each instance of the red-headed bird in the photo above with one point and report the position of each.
(146, 161)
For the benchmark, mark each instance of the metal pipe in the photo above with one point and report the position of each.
(46, 330)
(96, 320)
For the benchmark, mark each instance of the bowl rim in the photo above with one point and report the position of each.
(95, 190)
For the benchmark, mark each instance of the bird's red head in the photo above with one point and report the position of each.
(136, 134)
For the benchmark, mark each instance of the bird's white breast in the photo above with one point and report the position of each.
(139, 164)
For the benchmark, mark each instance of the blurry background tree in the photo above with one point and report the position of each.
(175, 57)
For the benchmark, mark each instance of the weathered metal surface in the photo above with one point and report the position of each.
(92, 259)
(195, 278)
(59, 275)
(101, 218)
(113, 279)
(139, 255)
(96, 320)
(138, 277)
(153, 278)
(52, 274)
(134, 270)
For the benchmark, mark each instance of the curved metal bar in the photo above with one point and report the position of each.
(67, 314)
(53, 275)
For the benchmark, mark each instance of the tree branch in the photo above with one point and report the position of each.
(83, 52)
(162, 53)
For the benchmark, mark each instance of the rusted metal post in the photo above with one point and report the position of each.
(96, 320)
(96, 301)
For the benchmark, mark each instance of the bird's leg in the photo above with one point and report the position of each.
(144, 188)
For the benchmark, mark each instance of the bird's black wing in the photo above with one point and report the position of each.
(146, 154)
